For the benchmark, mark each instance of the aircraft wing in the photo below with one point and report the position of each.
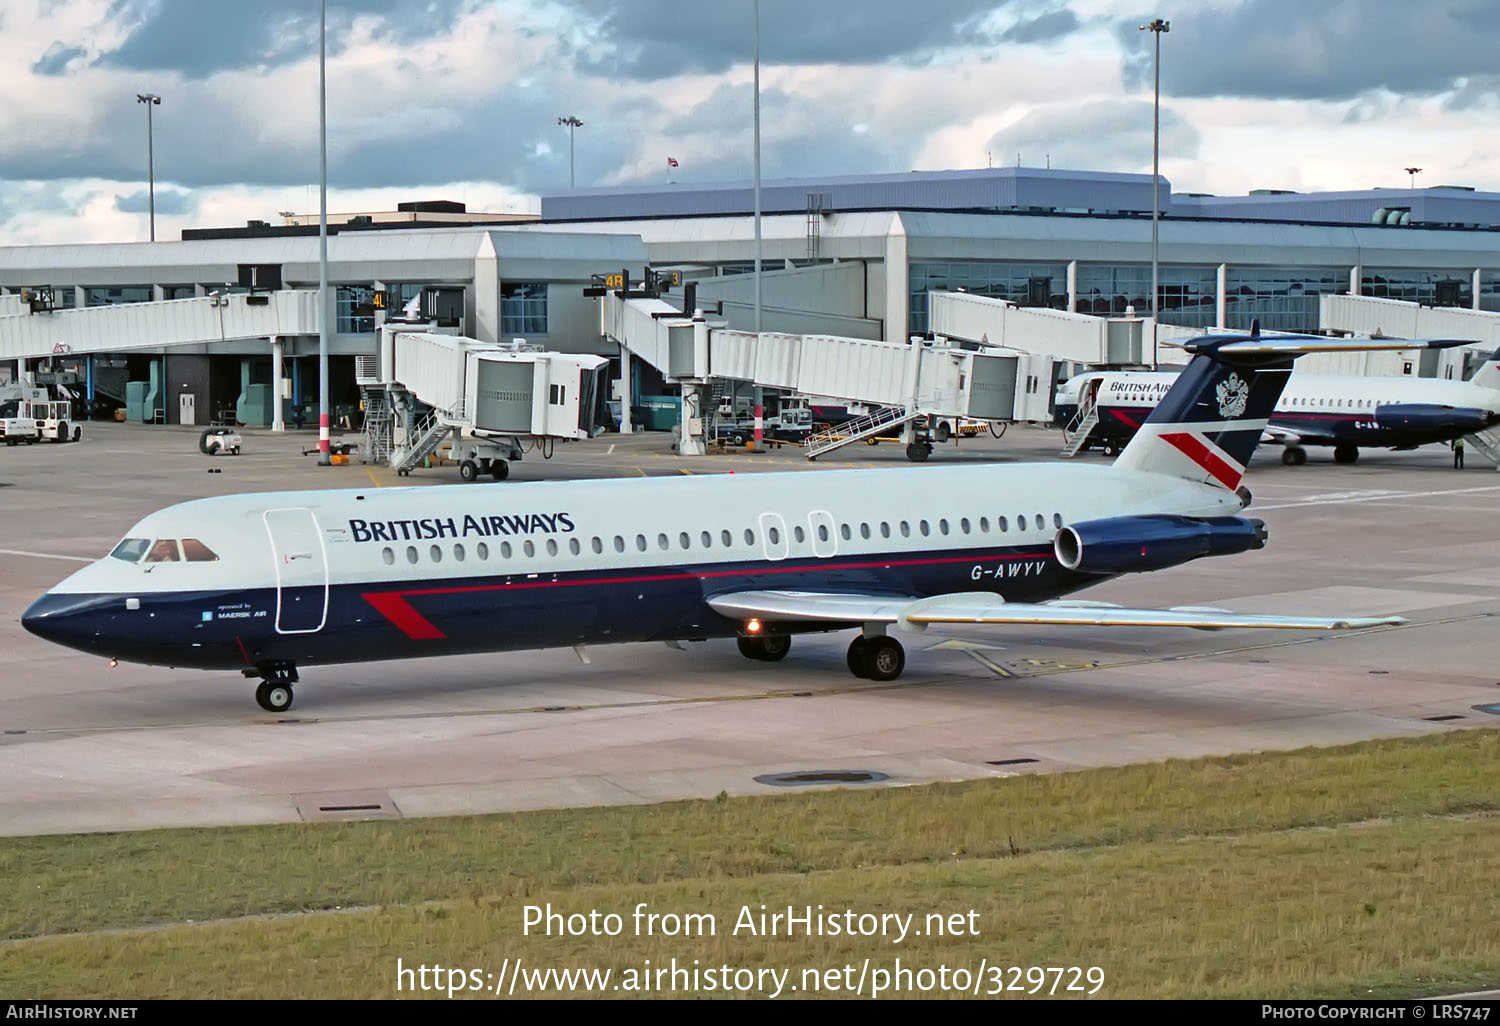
(1273, 435)
(982, 608)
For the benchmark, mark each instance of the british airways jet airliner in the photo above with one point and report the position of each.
(270, 584)
(1343, 411)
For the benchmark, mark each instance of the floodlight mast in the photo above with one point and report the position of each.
(1156, 27)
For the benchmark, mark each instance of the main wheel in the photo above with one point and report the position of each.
(499, 470)
(1111, 448)
(1294, 456)
(767, 649)
(856, 659)
(274, 697)
(884, 658)
(1345, 453)
(468, 470)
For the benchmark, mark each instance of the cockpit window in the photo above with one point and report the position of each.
(131, 549)
(163, 551)
(194, 551)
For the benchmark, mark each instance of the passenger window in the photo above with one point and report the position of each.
(505, 550)
(619, 544)
(387, 555)
(131, 549)
(164, 551)
(436, 552)
(458, 553)
(1057, 520)
(551, 546)
(708, 539)
(943, 526)
(885, 529)
(726, 539)
(483, 551)
(774, 535)
(411, 554)
(663, 543)
(799, 534)
(1041, 522)
(529, 548)
(194, 551)
(984, 525)
(963, 525)
(749, 536)
(905, 529)
(864, 531)
(573, 546)
(640, 543)
(685, 540)
(597, 545)
(924, 528)
(822, 532)
(845, 532)
(1001, 524)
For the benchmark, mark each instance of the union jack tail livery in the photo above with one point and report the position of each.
(1207, 426)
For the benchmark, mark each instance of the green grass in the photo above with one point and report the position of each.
(1186, 878)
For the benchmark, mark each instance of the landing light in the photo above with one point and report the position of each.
(113, 663)
(753, 627)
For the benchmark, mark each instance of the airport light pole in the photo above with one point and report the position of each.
(572, 123)
(325, 458)
(758, 396)
(1413, 171)
(1156, 28)
(150, 100)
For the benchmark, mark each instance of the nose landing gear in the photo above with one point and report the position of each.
(274, 694)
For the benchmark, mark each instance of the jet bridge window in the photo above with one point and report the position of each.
(164, 551)
(131, 549)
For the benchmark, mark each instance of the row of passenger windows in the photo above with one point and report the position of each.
(707, 540)
(1350, 404)
(164, 550)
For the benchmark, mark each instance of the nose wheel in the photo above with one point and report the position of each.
(274, 693)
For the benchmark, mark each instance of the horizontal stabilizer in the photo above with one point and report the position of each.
(984, 608)
(1231, 346)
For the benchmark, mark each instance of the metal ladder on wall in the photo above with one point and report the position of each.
(429, 433)
(379, 426)
(1078, 431)
(1487, 444)
(857, 430)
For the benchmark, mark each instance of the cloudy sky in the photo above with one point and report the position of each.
(459, 99)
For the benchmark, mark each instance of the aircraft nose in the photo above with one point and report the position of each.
(60, 619)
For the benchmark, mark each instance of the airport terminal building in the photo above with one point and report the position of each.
(853, 256)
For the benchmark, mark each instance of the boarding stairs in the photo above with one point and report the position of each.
(380, 427)
(429, 434)
(1078, 430)
(868, 426)
(1487, 444)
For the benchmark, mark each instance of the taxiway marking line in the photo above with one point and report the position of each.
(1374, 497)
(371, 474)
(45, 555)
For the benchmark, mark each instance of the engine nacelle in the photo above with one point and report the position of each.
(1431, 417)
(1123, 545)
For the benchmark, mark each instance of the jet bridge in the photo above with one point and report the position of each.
(910, 381)
(494, 401)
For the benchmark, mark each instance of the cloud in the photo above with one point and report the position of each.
(1336, 49)
(196, 38)
(168, 202)
(1042, 28)
(1097, 135)
(658, 39)
(57, 58)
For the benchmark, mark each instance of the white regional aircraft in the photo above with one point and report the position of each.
(271, 583)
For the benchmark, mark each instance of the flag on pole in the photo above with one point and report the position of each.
(672, 162)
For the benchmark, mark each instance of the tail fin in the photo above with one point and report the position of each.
(1488, 374)
(1207, 426)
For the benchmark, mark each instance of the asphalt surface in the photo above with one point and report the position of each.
(88, 747)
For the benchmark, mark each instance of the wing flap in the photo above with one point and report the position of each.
(981, 608)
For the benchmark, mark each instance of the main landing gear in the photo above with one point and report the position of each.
(274, 694)
(1294, 456)
(1345, 453)
(770, 649)
(878, 658)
